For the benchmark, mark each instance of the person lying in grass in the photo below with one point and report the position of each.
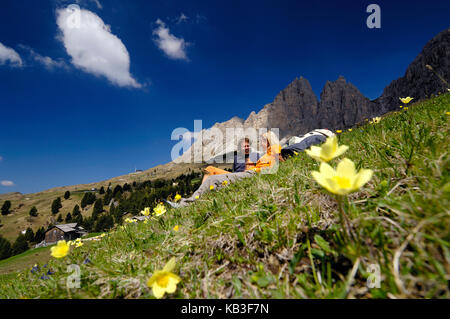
(266, 163)
(244, 160)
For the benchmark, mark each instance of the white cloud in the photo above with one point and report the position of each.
(93, 48)
(7, 183)
(182, 18)
(8, 55)
(49, 63)
(173, 47)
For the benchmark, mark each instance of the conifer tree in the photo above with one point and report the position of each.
(20, 245)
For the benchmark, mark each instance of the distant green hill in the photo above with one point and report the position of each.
(279, 236)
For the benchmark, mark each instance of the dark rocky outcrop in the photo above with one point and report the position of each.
(342, 105)
(419, 80)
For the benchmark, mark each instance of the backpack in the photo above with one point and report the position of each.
(304, 142)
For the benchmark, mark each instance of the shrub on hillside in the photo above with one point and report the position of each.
(56, 206)
(33, 211)
(67, 195)
(6, 207)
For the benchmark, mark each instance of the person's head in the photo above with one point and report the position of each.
(244, 146)
(269, 139)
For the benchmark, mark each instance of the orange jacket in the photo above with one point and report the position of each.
(269, 159)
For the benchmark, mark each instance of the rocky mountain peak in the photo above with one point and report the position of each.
(296, 110)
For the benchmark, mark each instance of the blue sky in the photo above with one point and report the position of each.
(84, 106)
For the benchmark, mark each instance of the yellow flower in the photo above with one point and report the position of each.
(376, 120)
(176, 228)
(159, 209)
(296, 153)
(406, 100)
(146, 211)
(197, 197)
(177, 198)
(339, 131)
(60, 250)
(211, 187)
(225, 183)
(448, 113)
(406, 108)
(79, 244)
(164, 281)
(350, 129)
(146, 221)
(344, 179)
(102, 235)
(401, 106)
(329, 150)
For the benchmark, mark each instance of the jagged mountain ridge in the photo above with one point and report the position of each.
(296, 109)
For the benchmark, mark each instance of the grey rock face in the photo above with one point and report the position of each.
(342, 105)
(293, 108)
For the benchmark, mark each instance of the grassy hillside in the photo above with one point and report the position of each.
(20, 219)
(279, 236)
(25, 260)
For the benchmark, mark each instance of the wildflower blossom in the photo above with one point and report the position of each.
(35, 269)
(406, 100)
(225, 183)
(339, 131)
(130, 221)
(176, 228)
(146, 211)
(344, 179)
(177, 198)
(164, 281)
(211, 187)
(376, 120)
(60, 250)
(159, 209)
(329, 150)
